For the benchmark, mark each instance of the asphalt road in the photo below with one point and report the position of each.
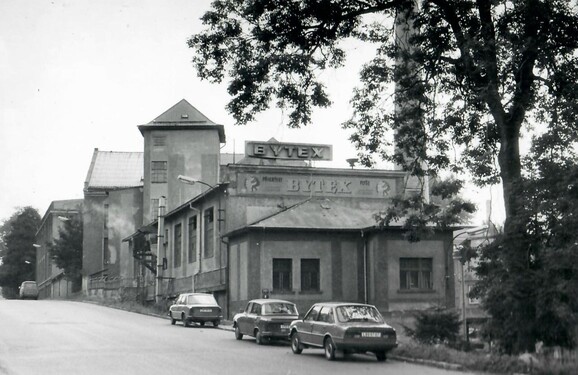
(62, 337)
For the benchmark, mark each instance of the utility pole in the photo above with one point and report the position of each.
(160, 245)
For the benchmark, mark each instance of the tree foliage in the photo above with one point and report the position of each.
(66, 250)
(18, 254)
(471, 77)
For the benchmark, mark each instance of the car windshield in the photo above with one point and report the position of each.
(356, 313)
(279, 308)
(201, 300)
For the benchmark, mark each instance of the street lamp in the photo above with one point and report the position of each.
(191, 181)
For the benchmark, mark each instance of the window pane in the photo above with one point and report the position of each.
(192, 239)
(310, 274)
(177, 246)
(282, 274)
(209, 230)
(159, 171)
(416, 273)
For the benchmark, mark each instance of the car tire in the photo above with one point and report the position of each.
(173, 320)
(381, 356)
(238, 334)
(216, 323)
(185, 321)
(329, 347)
(296, 346)
(259, 339)
(202, 324)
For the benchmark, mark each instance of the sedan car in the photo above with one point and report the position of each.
(265, 319)
(28, 289)
(348, 327)
(195, 307)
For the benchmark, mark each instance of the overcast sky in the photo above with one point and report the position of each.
(83, 74)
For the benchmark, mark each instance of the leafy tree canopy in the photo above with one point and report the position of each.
(18, 255)
(66, 250)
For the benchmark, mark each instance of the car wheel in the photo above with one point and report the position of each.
(329, 349)
(184, 320)
(381, 356)
(173, 320)
(215, 323)
(259, 339)
(238, 334)
(202, 324)
(296, 346)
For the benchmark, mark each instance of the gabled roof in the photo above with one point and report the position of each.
(183, 115)
(115, 170)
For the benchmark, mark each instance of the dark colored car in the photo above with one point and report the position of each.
(348, 327)
(28, 289)
(195, 307)
(265, 319)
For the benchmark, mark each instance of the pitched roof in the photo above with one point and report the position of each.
(181, 115)
(319, 214)
(113, 169)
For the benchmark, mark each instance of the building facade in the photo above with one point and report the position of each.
(50, 279)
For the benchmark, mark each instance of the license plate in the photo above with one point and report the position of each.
(370, 334)
(284, 326)
(206, 310)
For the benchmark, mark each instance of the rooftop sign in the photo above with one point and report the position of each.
(292, 151)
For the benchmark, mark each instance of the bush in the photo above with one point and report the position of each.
(435, 326)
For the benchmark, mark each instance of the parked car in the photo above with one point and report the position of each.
(195, 307)
(265, 319)
(28, 289)
(348, 327)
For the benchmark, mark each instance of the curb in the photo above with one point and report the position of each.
(443, 365)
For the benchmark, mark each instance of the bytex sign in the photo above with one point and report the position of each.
(294, 151)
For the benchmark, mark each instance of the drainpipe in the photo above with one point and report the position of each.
(160, 244)
(365, 279)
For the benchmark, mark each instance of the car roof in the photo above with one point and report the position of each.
(269, 300)
(196, 294)
(336, 304)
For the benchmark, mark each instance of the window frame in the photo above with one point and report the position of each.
(209, 232)
(192, 238)
(159, 172)
(280, 273)
(307, 282)
(417, 277)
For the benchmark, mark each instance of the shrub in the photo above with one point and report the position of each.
(435, 326)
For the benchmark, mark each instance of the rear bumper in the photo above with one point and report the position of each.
(200, 319)
(279, 335)
(364, 345)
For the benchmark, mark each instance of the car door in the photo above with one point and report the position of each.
(176, 308)
(243, 319)
(321, 325)
(307, 324)
(252, 317)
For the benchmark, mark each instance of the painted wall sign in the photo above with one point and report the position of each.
(293, 151)
(358, 187)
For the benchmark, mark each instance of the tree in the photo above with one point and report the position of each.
(66, 250)
(18, 254)
(471, 76)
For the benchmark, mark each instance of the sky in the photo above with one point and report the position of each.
(76, 75)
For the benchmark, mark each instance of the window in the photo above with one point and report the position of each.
(326, 315)
(154, 208)
(472, 301)
(312, 314)
(159, 141)
(193, 239)
(309, 275)
(209, 249)
(105, 216)
(256, 309)
(415, 273)
(178, 245)
(282, 274)
(158, 171)
(105, 251)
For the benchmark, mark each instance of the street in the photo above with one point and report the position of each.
(63, 337)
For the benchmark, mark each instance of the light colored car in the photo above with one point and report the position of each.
(196, 307)
(28, 289)
(265, 319)
(348, 327)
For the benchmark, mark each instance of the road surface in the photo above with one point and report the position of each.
(63, 337)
